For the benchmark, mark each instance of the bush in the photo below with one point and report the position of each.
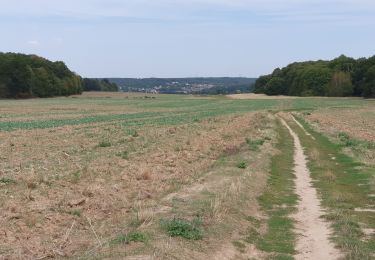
(183, 228)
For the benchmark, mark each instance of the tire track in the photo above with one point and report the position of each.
(313, 233)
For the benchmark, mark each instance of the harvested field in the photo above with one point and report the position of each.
(107, 175)
(357, 123)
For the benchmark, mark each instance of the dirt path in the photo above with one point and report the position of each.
(313, 242)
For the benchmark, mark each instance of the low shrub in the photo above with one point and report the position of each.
(183, 228)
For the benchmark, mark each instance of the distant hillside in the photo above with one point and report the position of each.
(24, 76)
(343, 76)
(220, 85)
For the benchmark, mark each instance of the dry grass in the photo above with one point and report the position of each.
(70, 195)
(358, 123)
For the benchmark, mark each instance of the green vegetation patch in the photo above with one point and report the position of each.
(5, 180)
(183, 228)
(255, 144)
(242, 165)
(278, 201)
(104, 144)
(130, 237)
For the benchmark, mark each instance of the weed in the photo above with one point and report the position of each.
(131, 237)
(239, 245)
(75, 212)
(123, 155)
(241, 165)
(104, 144)
(254, 144)
(7, 181)
(76, 176)
(132, 133)
(183, 228)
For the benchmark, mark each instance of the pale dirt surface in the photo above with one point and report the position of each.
(258, 96)
(313, 240)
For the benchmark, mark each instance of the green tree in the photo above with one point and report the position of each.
(340, 85)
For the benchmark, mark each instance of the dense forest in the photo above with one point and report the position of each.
(25, 76)
(343, 76)
(198, 85)
(99, 85)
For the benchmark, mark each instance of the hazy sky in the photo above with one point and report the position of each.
(184, 38)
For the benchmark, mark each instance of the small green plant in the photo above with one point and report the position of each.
(75, 212)
(76, 176)
(132, 133)
(7, 181)
(123, 155)
(345, 139)
(104, 144)
(242, 165)
(131, 237)
(254, 144)
(183, 228)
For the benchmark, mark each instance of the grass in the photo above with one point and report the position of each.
(344, 185)
(130, 237)
(104, 144)
(131, 156)
(5, 180)
(179, 227)
(254, 144)
(357, 145)
(123, 155)
(278, 201)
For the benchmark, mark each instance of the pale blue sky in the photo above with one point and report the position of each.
(185, 38)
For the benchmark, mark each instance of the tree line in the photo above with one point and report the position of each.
(99, 85)
(27, 76)
(340, 77)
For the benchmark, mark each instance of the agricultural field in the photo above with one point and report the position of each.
(136, 176)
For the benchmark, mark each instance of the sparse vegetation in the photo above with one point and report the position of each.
(179, 227)
(5, 180)
(130, 237)
(345, 186)
(254, 144)
(278, 201)
(104, 168)
(242, 165)
(104, 144)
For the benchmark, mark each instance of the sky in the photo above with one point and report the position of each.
(186, 38)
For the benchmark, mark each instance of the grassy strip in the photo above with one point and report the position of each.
(279, 202)
(344, 185)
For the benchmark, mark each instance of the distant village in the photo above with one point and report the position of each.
(171, 87)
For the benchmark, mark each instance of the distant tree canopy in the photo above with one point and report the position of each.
(343, 76)
(99, 85)
(25, 76)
